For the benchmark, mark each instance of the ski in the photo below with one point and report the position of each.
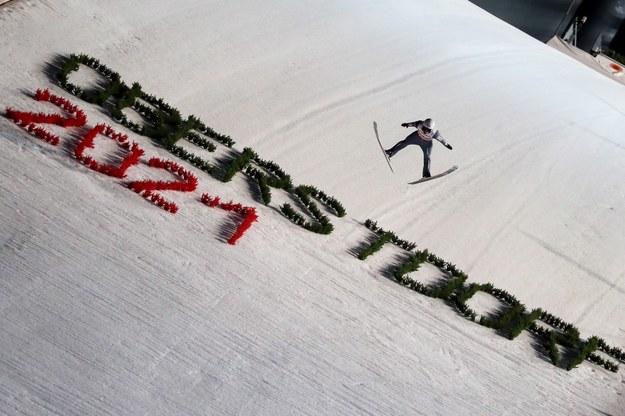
(377, 136)
(440, 175)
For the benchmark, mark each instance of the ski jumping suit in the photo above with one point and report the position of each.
(422, 140)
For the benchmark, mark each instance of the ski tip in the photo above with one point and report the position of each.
(440, 175)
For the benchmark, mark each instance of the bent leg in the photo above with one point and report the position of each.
(427, 151)
(412, 138)
(400, 145)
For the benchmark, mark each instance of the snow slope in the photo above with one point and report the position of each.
(113, 306)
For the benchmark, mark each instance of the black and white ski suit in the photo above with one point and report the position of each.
(421, 139)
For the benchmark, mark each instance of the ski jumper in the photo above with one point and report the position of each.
(421, 139)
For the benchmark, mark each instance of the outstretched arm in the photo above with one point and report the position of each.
(441, 139)
(411, 124)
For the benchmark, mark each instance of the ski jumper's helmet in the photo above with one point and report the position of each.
(428, 126)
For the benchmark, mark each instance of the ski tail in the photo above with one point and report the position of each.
(377, 136)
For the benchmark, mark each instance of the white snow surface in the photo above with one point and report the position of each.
(111, 305)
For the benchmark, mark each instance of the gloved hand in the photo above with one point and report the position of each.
(405, 125)
(449, 146)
